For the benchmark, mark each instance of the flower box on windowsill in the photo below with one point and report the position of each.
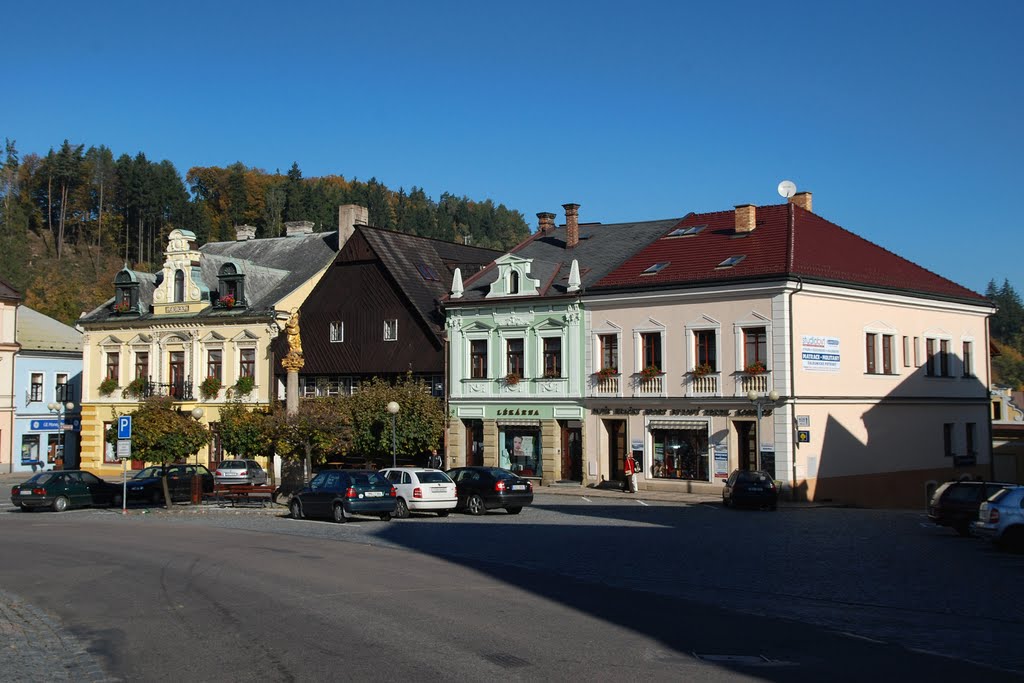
(702, 370)
(122, 307)
(755, 368)
(512, 379)
(605, 373)
(651, 371)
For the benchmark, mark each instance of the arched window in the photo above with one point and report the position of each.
(513, 282)
(179, 285)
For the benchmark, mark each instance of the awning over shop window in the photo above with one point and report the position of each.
(519, 423)
(699, 425)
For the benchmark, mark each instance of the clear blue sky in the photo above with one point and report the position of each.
(903, 118)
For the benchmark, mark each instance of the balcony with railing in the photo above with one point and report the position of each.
(650, 385)
(607, 384)
(704, 384)
(747, 381)
(179, 391)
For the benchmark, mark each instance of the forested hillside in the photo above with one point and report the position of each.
(71, 218)
(1007, 329)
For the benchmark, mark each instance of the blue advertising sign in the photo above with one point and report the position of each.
(124, 427)
(44, 425)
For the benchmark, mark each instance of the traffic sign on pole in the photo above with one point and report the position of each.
(124, 427)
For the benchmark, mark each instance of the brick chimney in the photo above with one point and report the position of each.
(572, 225)
(296, 228)
(802, 199)
(545, 221)
(245, 232)
(746, 217)
(350, 215)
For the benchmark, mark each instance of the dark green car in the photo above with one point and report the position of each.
(65, 489)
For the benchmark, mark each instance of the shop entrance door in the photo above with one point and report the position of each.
(746, 448)
(474, 443)
(616, 448)
(572, 452)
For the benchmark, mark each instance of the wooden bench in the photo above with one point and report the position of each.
(241, 494)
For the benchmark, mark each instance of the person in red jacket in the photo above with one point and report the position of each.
(630, 472)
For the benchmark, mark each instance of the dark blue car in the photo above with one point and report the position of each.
(753, 488)
(340, 494)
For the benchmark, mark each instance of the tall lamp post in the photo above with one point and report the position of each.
(393, 409)
(61, 410)
(761, 402)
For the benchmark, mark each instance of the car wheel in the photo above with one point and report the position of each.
(475, 505)
(61, 504)
(339, 513)
(295, 509)
(385, 516)
(514, 510)
(442, 513)
(401, 509)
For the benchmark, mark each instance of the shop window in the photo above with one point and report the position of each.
(35, 392)
(478, 358)
(520, 450)
(54, 449)
(552, 356)
(680, 454)
(30, 449)
(514, 356)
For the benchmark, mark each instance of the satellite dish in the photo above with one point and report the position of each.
(787, 188)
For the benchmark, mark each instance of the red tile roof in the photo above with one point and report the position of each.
(811, 248)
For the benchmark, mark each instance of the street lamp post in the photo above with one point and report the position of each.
(761, 402)
(61, 410)
(393, 409)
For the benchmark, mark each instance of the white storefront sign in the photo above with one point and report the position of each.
(819, 354)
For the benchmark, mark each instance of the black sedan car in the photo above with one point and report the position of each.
(340, 494)
(146, 486)
(487, 488)
(65, 489)
(956, 503)
(755, 488)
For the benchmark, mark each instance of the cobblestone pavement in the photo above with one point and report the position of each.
(35, 647)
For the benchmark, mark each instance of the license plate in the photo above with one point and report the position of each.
(755, 489)
(374, 494)
(518, 487)
(441, 490)
(25, 493)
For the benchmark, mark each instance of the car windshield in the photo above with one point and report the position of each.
(433, 478)
(749, 477)
(149, 472)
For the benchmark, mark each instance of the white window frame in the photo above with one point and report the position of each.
(336, 330)
(563, 351)
(880, 329)
(655, 327)
(755, 320)
(964, 370)
(705, 325)
(394, 331)
(42, 387)
(598, 355)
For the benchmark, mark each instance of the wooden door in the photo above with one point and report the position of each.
(572, 453)
(616, 448)
(746, 448)
(474, 443)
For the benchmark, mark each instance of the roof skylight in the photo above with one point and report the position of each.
(427, 272)
(731, 261)
(686, 232)
(656, 268)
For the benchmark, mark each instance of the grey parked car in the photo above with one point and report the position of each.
(240, 472)
(1001, 519)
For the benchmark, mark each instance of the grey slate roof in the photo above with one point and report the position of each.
(402, 253)
(601, 249)
(7, 291)
(273, 267)
(38, 332)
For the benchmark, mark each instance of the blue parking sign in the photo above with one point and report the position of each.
(124, 427)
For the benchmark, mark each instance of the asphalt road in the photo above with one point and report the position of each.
(571, 588)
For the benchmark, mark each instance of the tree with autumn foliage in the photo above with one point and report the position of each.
(244, 432)
(320, 428)
(163, 435)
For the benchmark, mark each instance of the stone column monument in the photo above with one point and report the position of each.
(293, 362)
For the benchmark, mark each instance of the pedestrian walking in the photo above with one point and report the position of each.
(435, 459)
(630, 472)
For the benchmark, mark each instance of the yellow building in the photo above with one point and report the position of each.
(210, 312)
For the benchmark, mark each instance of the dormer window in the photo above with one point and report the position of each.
(231, 286)
(513, 282)
(126, 292)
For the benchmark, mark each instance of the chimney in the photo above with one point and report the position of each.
(245, 232)
(296, 228)
(746, 217)
(350, 215)
(545, 221)
(802, 199)
(572, 225)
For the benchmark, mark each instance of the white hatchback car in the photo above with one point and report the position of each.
(422, 489)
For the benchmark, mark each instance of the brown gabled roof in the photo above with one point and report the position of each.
(7, 291)
(788, 241)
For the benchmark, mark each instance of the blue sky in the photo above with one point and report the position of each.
(902, 118)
